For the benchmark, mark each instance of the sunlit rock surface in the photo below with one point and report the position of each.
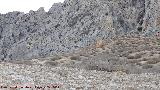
(74, 24)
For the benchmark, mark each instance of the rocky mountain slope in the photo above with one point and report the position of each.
(125, 64)
(73, 24)
(134, 55)
(82, 45)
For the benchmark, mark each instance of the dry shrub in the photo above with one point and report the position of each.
(147, 66)
(55, 58)
(52, 63)
(99, 44)
(98, 68)
(136, 56)
(119, 68)
(158, 21)
(27, 62)
(75, 57)
(153, 61)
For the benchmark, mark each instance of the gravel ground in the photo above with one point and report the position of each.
(74, 79)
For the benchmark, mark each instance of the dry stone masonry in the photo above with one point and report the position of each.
(74, 24)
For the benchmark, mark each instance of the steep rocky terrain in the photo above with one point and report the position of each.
(132, 55)
(83, 45)
(74, 24)
(125, 64)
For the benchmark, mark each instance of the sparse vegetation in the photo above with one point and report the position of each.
(158, 41)
(133, 58)
(158, 21)
(100, 44)
(52, 63)
(98, 68)
(147, 66)
(75, 57)
(136, 56)
(153, 61)
(55, 58)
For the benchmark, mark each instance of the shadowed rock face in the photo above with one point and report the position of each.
(73, 24)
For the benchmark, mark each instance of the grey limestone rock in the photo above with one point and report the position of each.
(73, 24)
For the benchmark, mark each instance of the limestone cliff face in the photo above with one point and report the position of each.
(73, 24)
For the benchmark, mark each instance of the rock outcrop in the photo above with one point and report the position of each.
(74, 24)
